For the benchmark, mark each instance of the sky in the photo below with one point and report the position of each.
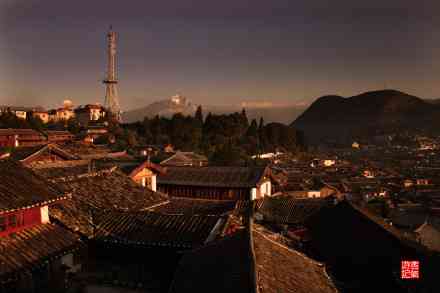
(217, 52)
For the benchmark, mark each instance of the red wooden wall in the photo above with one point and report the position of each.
(19, 220)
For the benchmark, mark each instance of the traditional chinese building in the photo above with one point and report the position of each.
(145, 174)
(8, 138)
(21, 137)
(220, 183)
(33, 250)
(41, 155)
(125, 240)
(95, 188)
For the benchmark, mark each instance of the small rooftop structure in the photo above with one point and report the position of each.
(185, 159)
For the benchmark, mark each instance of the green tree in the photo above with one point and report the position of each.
(252, 131)
(73, 126)
(228, 155)
(199, 115)
(131, 138)
(262, 136)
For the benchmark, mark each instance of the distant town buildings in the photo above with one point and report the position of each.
(61, 114)
(20, 112)
(43, 115)
(89, 112)
(83, 114)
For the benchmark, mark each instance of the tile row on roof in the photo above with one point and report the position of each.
(97, 191)
(22, 188)
(71, 170)
(131, 167)
(86, 151)
(185, 159)
(282, 269)
(235, 177)
(34, 245)
(290, 210)
(189, 206)
(154, 229)
(25, 154)
(16, 131)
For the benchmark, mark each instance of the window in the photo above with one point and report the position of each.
(12, 221)
(2, 224)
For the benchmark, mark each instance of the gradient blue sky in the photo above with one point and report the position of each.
(217, 52)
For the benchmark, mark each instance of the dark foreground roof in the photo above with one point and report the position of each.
(232, 177)
(223, 266)
(241, 263)
(361, 247)
(153, 229)
(22, 188)
(32, 246)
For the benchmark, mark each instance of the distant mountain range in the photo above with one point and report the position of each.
(163, 108)
(179, 104)
(341, 120)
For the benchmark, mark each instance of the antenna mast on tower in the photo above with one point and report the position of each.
(111, 93)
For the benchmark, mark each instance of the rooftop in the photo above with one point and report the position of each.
(185, 158)
(25, 153)
(14, 131)
(103, 190)
(249, 262)
(290, 210)
(22, 188)
(281, 269)
(235, 177)
(188, 206)
(31, 246)
(153, 229)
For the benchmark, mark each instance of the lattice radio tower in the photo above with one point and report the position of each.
(111, 93)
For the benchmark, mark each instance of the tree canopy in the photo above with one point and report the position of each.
(224, 138)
